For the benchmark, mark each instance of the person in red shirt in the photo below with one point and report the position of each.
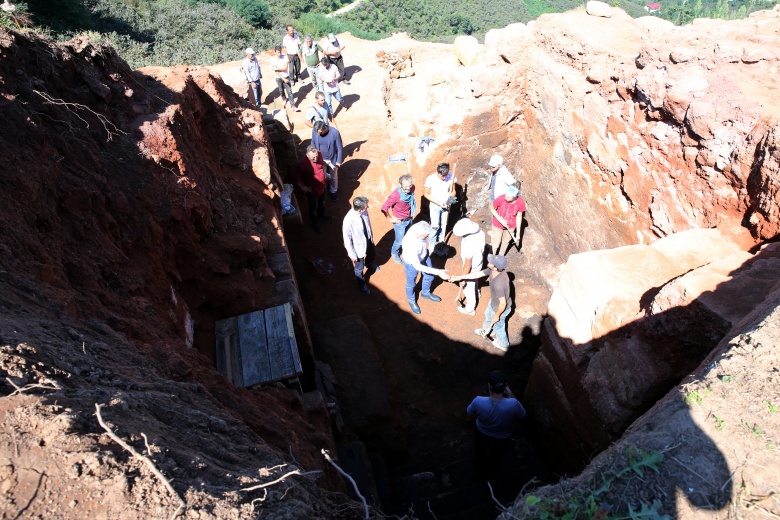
(309, 176)
(507, 211)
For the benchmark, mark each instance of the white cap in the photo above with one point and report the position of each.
(250, 50)
(495, 161)
(331, 37)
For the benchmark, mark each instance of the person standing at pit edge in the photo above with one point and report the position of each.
(359, 241)
(328, 142)
(251, 69)
(399, 208)
(496, 416)
(280, 65)
(292, 45)
(309, 176)
(310, 50)
(333, 51)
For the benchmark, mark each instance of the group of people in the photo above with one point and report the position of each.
(324, 65)
(414, 243)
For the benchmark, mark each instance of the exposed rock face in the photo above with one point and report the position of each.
(626, 324)
(622, 132)
(135, 209)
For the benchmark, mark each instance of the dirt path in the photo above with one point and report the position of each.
(434, 363)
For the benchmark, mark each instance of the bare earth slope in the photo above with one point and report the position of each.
(120, 231)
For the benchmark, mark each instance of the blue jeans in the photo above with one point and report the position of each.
(257, 92)
(499, 329)
(329, 99)
(411, 280)
(438, 223)
(400, 230)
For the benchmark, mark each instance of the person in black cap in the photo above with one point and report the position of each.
(500, 300)
(496, 416)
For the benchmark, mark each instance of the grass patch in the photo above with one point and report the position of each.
(593, 501)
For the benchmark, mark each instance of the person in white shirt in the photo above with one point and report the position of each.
(280, 65)
(472, 254)
(500, 178)
(333, 51)
(328, 74)
(359, 241)
(251, 69)
(292, 45)
(439, 187)
(416, 260)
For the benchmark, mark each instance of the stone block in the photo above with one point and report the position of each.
(468, 50)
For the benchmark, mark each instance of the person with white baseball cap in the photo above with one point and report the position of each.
(251, 69)
(500, 178)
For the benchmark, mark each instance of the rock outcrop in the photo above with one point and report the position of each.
(622, 132)
(135, 209)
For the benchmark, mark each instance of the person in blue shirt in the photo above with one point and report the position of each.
(327, 139)
(496, 417)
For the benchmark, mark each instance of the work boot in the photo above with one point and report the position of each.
(481, 332)
(431, 297)
(415, 307)
(463, 310)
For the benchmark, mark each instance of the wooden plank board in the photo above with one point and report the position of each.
(227, 340)
(279, 343)
(293, 344)
(256, 367)
(258, 347)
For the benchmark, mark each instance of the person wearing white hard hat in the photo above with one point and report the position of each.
(500, 178)
(472, 254)
(251, 69)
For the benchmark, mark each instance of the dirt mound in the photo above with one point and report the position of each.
(134, 211)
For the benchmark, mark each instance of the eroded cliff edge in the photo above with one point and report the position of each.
(136, 209)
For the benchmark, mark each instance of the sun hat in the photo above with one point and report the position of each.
(250, 50)
(495, 161)
(331, 37)
(465, 226)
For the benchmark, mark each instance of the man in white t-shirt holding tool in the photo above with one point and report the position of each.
(440, 192)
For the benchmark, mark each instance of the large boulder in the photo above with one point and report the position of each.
(468, 50)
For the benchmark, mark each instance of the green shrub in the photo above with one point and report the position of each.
(255, 12)
(318, 26)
